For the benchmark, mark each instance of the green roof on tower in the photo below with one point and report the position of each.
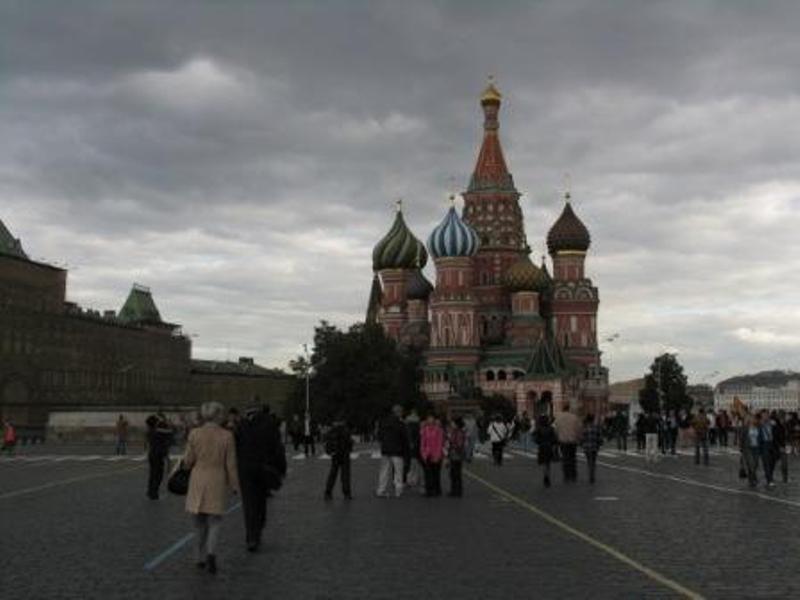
(139, 307)
(10, 245)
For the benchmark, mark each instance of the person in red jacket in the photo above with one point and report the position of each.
(9, 437)
(432, 451)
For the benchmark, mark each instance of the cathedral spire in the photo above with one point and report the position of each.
(491, 172)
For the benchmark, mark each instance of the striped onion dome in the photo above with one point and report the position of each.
(453, 237)
(417, 286)
(524, 276)
(399, 249)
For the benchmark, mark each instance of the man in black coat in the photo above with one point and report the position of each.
(394, 448)
(261, 461)
(338, 444)
(159, 439)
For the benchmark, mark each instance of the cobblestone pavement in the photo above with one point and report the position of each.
(76, 525)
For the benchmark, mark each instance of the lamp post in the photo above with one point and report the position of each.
(308, 384)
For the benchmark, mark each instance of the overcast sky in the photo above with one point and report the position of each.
(242, 158)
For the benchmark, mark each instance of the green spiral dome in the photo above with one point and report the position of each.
(524, 276)
(399, 249)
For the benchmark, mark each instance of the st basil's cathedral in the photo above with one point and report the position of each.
(494, 321)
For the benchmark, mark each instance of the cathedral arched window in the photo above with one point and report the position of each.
(489, 375)
(501, 375)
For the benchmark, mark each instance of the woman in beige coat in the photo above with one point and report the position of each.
(211, 455)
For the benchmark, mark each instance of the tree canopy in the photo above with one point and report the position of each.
(665, 386)
(358, 374)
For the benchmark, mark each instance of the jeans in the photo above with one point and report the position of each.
(497, 452)
(207, 527)
(591, 462)
(157, 466)
(122, 447)
(768, 462)
(433, 479)
(651, 447)
(456, 480)
(308, 442)
(751, 457)
(700, 441)
(527, 441)
(391, 468)
(340, 464)
(622, 441)
(569, 461)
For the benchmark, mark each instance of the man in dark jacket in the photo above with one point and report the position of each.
(394, 448)
(159, 440)
(339, 444)
(261, 461)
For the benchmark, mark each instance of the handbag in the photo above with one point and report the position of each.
(178, 482)
(273, 477)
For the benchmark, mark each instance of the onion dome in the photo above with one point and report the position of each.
(399, 249)
(568, 232)
(417, 286)
(524, 276)
(453, 237)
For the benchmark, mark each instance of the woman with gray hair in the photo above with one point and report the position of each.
(211, 456)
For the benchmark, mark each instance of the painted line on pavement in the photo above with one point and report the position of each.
(160, 558)
(613, 552)
(53, 484)
(694, 482)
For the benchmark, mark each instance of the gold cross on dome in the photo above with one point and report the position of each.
(399, 204)
(567, 185)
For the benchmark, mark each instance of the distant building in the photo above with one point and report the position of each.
(76, 369)
(241, 384)
(770, 390)
(624, 395)
(702, 394)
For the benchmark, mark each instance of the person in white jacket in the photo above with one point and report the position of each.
(499, 433)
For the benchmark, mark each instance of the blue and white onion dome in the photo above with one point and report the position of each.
(452, 237)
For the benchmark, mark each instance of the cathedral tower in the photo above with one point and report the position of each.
(491, 207)
(574, 299)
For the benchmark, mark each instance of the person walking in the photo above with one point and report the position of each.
(568, 430)
(122, 435)
(309, 436)
(339, 444)
(159, 440)
(498, 436)
(780, 436)
(700, 427)
(650, 426)
(456, 451)
(260, 459)
(9, 437)
(545, 437)
(767, 448)
(211, 457)
(394, 447)
(471, 431)
(672, 432)
(295, 430)
(640, 433)
(751, 441)
(620, 425)
(432, 438)
(591, 440)
(412, 465)
(525, 433)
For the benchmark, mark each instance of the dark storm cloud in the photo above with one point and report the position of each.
(242, 158)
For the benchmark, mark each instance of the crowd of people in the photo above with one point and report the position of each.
(225, 453)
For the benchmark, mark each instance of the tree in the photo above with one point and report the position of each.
(359, 374)
(665, 386)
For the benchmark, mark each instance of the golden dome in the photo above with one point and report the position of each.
(524, 276)
(491, 93)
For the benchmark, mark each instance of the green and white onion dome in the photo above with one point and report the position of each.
(399, 249)
(452, 237)
(524, 276)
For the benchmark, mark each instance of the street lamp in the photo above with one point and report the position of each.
(308, 384)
